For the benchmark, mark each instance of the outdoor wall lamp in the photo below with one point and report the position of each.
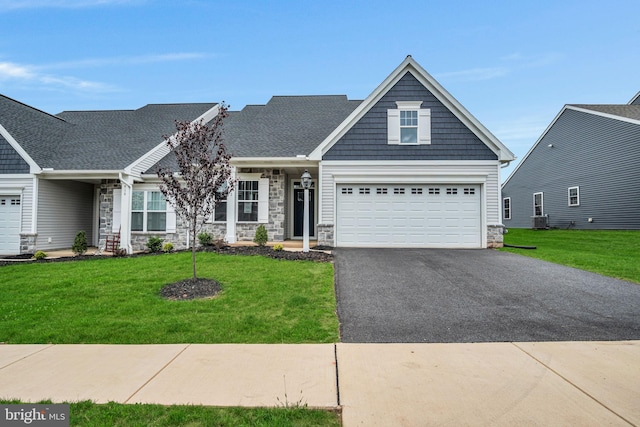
(306, 184)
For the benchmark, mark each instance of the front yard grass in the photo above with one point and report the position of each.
(117, 301)
(87, 413)
(614, 253)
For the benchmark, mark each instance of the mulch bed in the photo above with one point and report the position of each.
(191, 289)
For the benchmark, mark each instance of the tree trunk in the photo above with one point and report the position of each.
(193, 246)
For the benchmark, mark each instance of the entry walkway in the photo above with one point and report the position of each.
(550, 383)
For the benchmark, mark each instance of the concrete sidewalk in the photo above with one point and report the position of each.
(551, 383)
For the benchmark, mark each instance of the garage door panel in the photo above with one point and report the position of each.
(10, 213)
(409, 216)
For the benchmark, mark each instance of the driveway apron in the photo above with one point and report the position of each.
(447, 296)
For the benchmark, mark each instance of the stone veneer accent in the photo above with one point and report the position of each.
(277, 206)
(325, 235)
(28, 243)
(106, 210)
(495, 235)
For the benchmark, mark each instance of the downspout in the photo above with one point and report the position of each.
(125, 212)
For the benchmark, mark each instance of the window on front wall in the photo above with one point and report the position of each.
(506, 208)
(148, 211)
(538, 208)
(574, 196)
(248, 201)
(409, 124)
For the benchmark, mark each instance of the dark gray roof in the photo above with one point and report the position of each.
(37, 132)
(285, 127)
(621, 110)
(114, 139)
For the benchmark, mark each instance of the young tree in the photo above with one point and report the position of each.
(204, 173)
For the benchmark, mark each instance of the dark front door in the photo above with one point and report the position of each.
(298, 212)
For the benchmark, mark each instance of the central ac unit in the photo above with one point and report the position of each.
(539, 222)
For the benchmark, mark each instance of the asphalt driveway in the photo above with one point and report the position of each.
(437, 295)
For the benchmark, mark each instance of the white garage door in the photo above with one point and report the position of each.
(9, 224)
(401, 215)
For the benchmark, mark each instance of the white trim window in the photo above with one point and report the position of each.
(573, 196)
(253, 200)
(148, 211)
(506, 208)
(538, 204)
(409, 124)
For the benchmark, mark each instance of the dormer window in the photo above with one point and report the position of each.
(409, 124)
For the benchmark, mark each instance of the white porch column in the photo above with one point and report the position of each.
(231, 210)
(125, 213)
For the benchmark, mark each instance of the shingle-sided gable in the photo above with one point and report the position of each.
(36, 132)
(10, 161)
(450, 138)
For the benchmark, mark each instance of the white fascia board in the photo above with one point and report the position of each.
(33, 166)
(544, 133)
(162, 149)
(634, 99)
(271, 162)
(410, 65)
(78, 174)
(601, 114)
(409, 162)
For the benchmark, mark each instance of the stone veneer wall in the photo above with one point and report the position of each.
(28, 243)
(325, 235)
(495, 236)
(276, 225)
(106, 210)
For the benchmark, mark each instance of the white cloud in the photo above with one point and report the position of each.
(124, 60)
(476, 74)
(27, 74)
(60, 4)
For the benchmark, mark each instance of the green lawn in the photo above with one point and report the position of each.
(117, 415)
(117, 301)
(614, 253)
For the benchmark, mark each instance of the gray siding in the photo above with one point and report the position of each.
(64, 208)
(600, 155)
(10, 160)
(450, 138)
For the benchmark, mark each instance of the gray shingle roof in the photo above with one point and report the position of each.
(37, 132)
(622, 110)
(285, 127)
(103, 140)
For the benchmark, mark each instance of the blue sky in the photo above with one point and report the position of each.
(512, 64)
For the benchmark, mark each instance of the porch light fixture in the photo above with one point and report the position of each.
(306, 184)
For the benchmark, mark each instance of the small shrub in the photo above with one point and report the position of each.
(39, 255)
(205, 238)
(80, 243)
(154, 244)
(278, 247)
(261, 236)
(167, 247)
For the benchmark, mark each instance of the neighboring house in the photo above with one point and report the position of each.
(583, 172)
(407, 167)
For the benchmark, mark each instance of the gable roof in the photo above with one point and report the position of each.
(635, 100)
(31, 132)
(112, 140)
(619, 112)
(285, 127)
(409, 65)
